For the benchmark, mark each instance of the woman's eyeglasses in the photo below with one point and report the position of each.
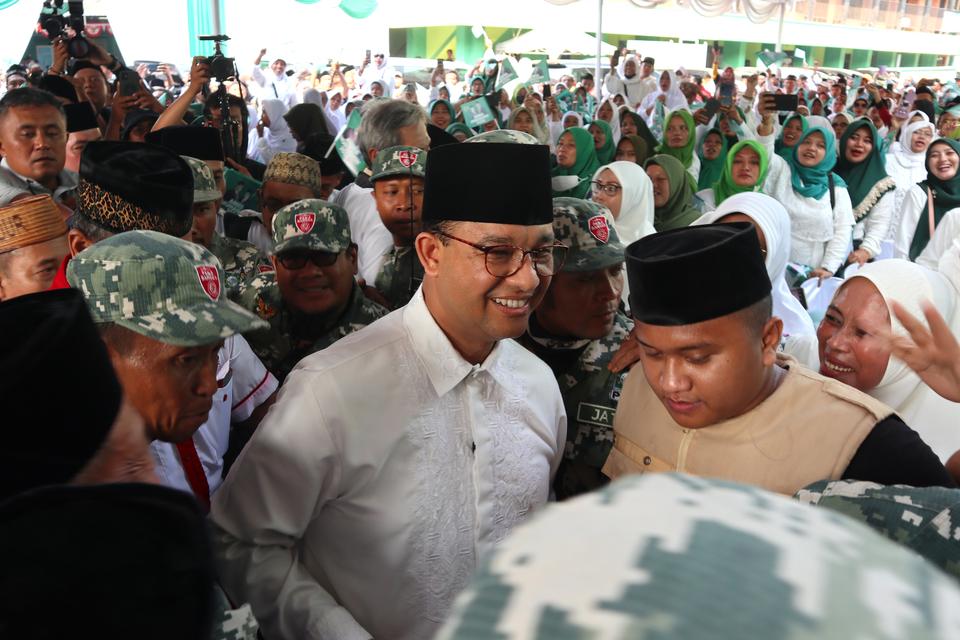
(608, 188)
(504, 260)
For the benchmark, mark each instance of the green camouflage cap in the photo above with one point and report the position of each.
(159, 286)
(719, 560)
(504, 136)
(400, 161)
(316, 225)
(924, 519)
(204, 185)
(587, 228)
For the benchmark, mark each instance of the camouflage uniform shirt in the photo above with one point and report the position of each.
(590, 395)
(241, 262)
(393, 279)
(277, 347)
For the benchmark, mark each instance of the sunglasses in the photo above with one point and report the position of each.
(296, 260)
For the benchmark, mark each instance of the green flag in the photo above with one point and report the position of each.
(541, 73)
(768, 58)
(358, 9)
(347, 147)
(507, 74)
(477, 113)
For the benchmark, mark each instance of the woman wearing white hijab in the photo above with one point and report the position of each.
(668, 92)
(629, 81)
(773, 223)
(609, 113)
(906, 159)
(276, 134)
(852, 348)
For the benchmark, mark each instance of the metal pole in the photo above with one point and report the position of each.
(597, 80)
(215, 14)
(783, 11)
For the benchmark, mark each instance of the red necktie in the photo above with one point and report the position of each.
(194, 472)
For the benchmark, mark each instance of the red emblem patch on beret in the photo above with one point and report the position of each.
(209, 281)
(599, 228)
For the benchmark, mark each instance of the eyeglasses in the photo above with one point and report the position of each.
(609, 188)
(504, 260)
(378, 55)
(296, 260)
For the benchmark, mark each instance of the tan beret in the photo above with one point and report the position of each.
(30, 221)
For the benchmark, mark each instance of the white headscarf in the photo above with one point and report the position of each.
(636, 79)
(335, 117)
(614, 120)
(675, 98)
(902, 156)
(277, 136)
(579, 117)
(774, 221)
(934, 418)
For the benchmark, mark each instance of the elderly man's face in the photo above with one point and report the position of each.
(316, 283)
(582, 304)
(711, 371)
(171, 387)
(34, 141)
(31, 269)
(76, 143)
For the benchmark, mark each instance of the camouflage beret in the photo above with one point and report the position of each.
(505, 136)
(204, 185)
(587, 228)
(315, 225)
(294, 168)
(399, 161)
(159, 286)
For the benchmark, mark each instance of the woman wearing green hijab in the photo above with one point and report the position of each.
(744, 169)
(712, 151)
(672, 193)
(793, 127)
(872, 191)
(679, 139)
(442, 113)
(602, 141)
(943, 185)
(576, 164)
(460, 131)
(633, 149)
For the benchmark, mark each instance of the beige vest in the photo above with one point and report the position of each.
(807, 430)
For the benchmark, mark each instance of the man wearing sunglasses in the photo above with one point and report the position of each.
(312, 298)
(397, 457)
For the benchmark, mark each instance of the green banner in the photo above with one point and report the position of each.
(346, 145)
(477, 113)
(541, 73)
(507, 74)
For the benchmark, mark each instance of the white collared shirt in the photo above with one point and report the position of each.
(13, 184)
(388, 466)
(245, 385)
(374, 241)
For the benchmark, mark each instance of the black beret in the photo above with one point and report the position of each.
(694, 274)
(202, 143)
(80, 117)
(495, 182)
(134, 560)
(62, 393)
(127, 186)
(59, 87)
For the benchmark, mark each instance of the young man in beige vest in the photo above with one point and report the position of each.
(713, 397)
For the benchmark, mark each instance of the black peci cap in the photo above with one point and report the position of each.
(80, 117)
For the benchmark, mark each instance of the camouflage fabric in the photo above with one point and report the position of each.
(204, 186)
(588, 229)
(279, 347)
(504, 135)
(590, 393)
(926, 520)
(241, 261)
(393, 279)
(294, 168)
(159, 286)
(674, 556)
(232, 624)
(399, 161)
(315, 225)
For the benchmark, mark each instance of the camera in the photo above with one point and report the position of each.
(54, 21)
(221, 67)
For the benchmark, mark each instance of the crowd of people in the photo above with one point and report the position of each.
(309, 399)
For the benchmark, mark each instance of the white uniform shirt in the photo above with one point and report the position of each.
(388, 466)
(246, 384)
(373, 240)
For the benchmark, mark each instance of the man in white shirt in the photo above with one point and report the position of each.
(386, 123)
(395, 458)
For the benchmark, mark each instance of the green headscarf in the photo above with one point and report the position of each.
(448, 104)
(642, 129)
(679, 210)
(866, 180)
(946, 196)
(609, 149)
(585, 166)
(685, 153)
(640, 148)
(813, 182)
(725, 186)
(470, 85)
(710, 170)
(778, 146)
(459, 127)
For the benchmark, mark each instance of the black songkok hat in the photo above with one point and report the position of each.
(695, 274)
(127, 186)
(134, 560)
(59, 87)
(439, 137)
(80, 117)
(501, 183)
(202, 143)
(52, 429)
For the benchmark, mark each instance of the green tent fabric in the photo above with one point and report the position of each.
(6, 4)
(358, 9)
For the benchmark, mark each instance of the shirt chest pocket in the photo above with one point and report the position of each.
(628, 458)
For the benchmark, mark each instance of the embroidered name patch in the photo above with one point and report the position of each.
(595, 414)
